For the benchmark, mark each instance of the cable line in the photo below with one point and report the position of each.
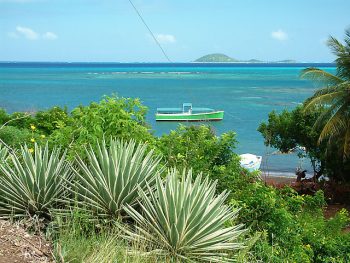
(150, 31)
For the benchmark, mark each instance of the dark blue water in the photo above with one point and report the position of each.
(246, 92)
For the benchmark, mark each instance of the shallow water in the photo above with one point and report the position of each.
(246, 92)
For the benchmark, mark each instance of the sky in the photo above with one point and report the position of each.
(111, 31)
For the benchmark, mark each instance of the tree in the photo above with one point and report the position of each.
(290, 130)
(295, 129)
(334, 97)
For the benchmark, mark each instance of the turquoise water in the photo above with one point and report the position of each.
(246, 92)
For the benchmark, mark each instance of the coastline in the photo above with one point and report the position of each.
(278, 178)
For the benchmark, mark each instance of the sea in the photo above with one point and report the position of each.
(246, 92)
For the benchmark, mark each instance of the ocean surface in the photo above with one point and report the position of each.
(246, 92)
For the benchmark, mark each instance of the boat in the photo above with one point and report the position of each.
(250, 161)
(188, 113)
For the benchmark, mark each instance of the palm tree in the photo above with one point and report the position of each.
(334, 97)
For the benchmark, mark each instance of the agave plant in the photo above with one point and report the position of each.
(112, 175)
(34, 182)
(185, 221)
(3, 153)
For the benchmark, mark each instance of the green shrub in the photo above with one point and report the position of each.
(52, 119)
(198, 148)
(14, 137)
(121, 118)
(4, 117)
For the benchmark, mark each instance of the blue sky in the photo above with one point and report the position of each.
(109, 30)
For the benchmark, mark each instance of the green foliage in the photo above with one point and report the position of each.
(290, 129)
(14, 137)
(3, 153)
(52, 119)
(293, 226)
(111, 176)
(184, 220)
(34, 184)
(122, 118)
(334, 96)
(4, 117)
(198, 148)
(21, 120)
(216, 58)
(80, 237)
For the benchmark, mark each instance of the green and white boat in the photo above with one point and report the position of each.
(188, 113)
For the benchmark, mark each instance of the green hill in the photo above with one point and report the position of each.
(217, 57)
(286, 61)
(255, 61)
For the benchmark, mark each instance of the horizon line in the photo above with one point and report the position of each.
(175, 62)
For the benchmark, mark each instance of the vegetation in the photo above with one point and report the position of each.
(216, 58)
(34, 184)
(112, 176)
(91, 220)
(185, 221)
(335, 120)
(221, 58)
(320, 126)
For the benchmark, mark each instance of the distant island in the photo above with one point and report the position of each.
(217, 57)
(222, 58)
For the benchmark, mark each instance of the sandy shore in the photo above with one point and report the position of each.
(275, 179)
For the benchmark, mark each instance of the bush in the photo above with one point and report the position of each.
(198, 148)
(15, 137)
(115, 117)
(52, 119)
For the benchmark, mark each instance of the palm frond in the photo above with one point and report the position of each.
(335, 125)
(319, 75)
(343, 55)
(346, 148)
(323, 100)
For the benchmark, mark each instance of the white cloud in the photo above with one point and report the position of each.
(165, 38)
(50, 36)
(279, 35)
(27, 32)
(30, 34)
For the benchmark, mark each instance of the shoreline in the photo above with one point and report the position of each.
(280, 178)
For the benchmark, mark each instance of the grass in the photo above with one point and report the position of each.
(78, 238)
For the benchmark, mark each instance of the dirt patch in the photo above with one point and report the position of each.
(332, 209)
(17, 246)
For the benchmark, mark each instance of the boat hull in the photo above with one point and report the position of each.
(250, 161)
(208, 116)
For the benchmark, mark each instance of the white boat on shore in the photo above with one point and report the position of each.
(250, 161)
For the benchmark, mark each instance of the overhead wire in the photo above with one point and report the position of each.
(150, 31)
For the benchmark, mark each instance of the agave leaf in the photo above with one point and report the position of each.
(192, 231)
(111, 176)
(33, 183)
